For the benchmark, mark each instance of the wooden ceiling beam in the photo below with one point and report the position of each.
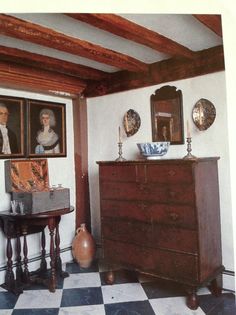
(48, 63)
(27, 78)
(44, 36)
(207, 61)
(122, 27)
(212, 21)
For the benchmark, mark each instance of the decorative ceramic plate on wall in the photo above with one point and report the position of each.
(204, 114)
(131, 122)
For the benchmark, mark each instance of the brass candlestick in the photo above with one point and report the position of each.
(120, 158)
(189, 155)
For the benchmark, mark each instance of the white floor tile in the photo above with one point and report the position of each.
(83, 310)
(203, 291)
(6, 312)
(173, 306)
(117, 293)
(82, 280)
(39, 299)
(2, 290)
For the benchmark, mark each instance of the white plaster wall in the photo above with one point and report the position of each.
(61, 170)
(105, 114)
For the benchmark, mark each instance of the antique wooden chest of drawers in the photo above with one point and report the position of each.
(163, 217)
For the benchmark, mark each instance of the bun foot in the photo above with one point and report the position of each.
(110, 277)
(215, 287)
(192, 301)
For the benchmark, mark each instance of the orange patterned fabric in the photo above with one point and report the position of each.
(29, 175)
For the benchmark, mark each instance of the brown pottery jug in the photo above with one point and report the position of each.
(83, 247)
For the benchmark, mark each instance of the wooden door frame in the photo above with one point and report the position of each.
(82, 203)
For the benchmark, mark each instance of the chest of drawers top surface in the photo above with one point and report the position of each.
(159, 161)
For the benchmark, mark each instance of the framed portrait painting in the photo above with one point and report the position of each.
(46, 129)
(12, 127)
(167, 115)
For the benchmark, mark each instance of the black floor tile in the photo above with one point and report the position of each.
(7, 300)
(162, 289)
(74, 267)
(130, 308)
(121, 276)
(81, 296)
(222, 305)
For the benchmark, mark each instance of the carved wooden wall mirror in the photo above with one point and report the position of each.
(204, 114)
(167, 115)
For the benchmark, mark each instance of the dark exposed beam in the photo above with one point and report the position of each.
(49, 63)
(213, 22)
(207, 61)
(122, 27)
(30, 79)
(37, 34)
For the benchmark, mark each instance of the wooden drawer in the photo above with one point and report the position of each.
(137, 210)
(173, 174)
(156, 236)
(127, 231)
(166, 264)
(148, 173)
(168, 237)
(124, 173)
(145, 211)
(148, 192)
(177, 215)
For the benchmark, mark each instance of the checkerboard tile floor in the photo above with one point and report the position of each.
(86, 293)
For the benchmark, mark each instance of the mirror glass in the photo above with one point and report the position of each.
(166, 115)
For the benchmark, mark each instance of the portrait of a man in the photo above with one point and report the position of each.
(11, 127)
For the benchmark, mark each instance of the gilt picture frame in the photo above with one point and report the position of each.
(12, 127)
(167, 115)
(46, 129)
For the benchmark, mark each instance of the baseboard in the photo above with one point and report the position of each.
(229, 280)
(34, 262)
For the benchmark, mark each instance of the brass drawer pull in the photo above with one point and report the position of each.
(172, 173)
(144, 188)
(141, 187)
(172, 194)
(173, 216)
(143, 206)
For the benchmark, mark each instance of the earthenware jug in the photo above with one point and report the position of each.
(83, 247)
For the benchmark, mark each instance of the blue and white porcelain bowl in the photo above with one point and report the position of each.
(153, 150)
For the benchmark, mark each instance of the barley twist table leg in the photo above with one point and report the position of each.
(52, 280)
(43, 264)
(62, 273)
(9, 278)
(26, 275)
(19, 271)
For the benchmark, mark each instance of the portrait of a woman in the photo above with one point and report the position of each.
(47, 138)
(46, 129)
